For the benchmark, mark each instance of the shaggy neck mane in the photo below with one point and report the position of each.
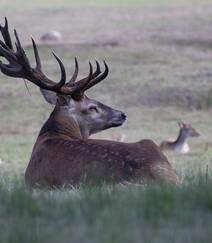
(60, 124)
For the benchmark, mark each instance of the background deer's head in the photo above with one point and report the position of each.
(187, 130)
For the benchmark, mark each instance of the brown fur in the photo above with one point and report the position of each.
(61, 157)
(63, 154)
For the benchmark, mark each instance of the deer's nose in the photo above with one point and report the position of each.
(123, 116)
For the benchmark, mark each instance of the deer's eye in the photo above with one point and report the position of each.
(93, 108)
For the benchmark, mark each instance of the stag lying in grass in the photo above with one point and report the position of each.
(63, 153)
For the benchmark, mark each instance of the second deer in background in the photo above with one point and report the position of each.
(180, 145)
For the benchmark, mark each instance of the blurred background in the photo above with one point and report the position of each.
(160, 57)
(159, 54)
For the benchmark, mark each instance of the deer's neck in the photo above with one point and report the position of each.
(181, 139)
(60, 124)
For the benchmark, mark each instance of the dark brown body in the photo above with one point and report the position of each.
(60, 159)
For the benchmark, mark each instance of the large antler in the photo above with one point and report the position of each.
(20, 67)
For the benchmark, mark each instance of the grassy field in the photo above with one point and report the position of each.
(160, 59)
(55, 4)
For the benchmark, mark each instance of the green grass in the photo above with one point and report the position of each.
(124, 213)
(160, 72)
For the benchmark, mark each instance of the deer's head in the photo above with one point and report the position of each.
(69, 97)
(187, 130)
(91, 115)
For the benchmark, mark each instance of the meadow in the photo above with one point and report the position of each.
(160, 59)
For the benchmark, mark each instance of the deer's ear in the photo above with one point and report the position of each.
(63, 100)
(49, 96)
(180, 124)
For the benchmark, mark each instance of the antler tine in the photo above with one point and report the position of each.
(63, 74)
(19, 65)
(37, 58)
(89, 76)
(76, 71)
(74, 77)
(98, 70)
(11, 71)
(21, 54)
(6, 35)
(8, 44)
(81, 84)
(98, 78)
(3, 45)
(77, 88)
(54, 87)
(5, 52)
(34, 75)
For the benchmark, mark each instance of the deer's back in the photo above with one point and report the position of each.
(173, 146)
(58, 161)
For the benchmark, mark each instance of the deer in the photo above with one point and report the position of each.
(51, 36)
(63, 154)
(180, 145)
